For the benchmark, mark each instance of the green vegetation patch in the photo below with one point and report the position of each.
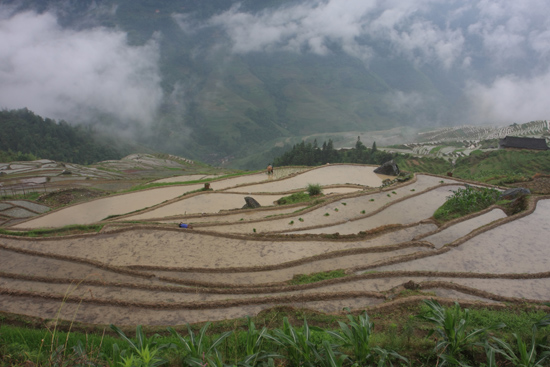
(314, 189)
(52, 232)
(503, 166)
(317, 277)
(422, 334)
(466, 201)
(297, 197)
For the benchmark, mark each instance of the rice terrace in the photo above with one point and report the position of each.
(281, 183)
(363, 241)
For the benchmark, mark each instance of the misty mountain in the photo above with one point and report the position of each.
(27, 136)
(225, 80)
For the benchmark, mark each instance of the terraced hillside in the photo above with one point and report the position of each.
(141, 268)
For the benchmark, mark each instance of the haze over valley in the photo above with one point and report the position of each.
(237, 83)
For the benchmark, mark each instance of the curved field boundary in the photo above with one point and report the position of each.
(95, 199)
(469, 182)
(476, 292)
(532, 206)
(135, 215)
(80, 260)
(126, 193)
(142, 269)
(404, 258)
(332, 186)
(288, 264)
(382, 208)
(28, 208)
(198, 305)
(127, 227)
(460, 220)
(227, 191)
(386, 307)
(31, 204)
(225, 288)
(221, 214)
(29, 214)
(309, 169)
(330, 201)
(261, 300)
(415, 300)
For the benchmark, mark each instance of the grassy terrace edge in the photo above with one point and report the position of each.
(50, 232)
(402, 328)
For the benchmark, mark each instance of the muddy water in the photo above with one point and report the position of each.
(204, 203)
(18, 213)
(191, 249)
(29, 205)
(326, 175)
(345, 209)
(463, 228)
(28, 181)
(253, 178)
(520, 246)
(536, 289)
(411, 210)
(456, 295)
(341, 190)
(533, 289)
(246, 215)
(186, 178)
(133, 315)
(97, 210)
(281, 275)
(12, 262)
(116, 293)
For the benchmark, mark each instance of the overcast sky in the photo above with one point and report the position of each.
(67, 74)
(511, 38)
(64, 73)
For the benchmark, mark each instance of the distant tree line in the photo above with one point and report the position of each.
(27, 136)
(310, 154)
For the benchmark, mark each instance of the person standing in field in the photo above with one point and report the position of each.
(270, 169)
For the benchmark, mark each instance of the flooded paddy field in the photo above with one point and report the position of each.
(209, 202)
(142, 269)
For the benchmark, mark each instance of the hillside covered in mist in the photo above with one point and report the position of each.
(222, 81)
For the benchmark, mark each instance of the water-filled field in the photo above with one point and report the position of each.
(142, 268)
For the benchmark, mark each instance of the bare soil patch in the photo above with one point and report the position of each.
(539, 185)
(69, 196)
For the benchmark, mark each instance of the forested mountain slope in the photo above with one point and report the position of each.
(228, 81)
(27, 136)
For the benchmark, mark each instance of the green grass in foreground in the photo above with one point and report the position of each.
(49, 232)
(317, 277)
(405, 330)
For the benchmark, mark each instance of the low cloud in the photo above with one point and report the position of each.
(313, 26)
(511, 99)
(76, 74)
(498, 49)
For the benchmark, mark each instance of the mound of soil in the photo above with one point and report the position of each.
(539, 185)
(70, 196)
